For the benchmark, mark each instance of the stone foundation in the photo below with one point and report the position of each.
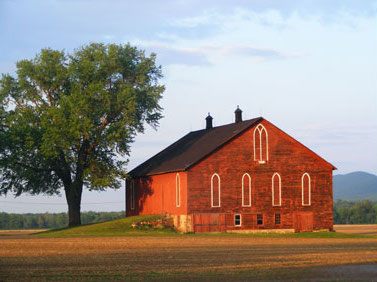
(182, 223)
(253, 231)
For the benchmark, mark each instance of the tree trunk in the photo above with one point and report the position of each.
(73, 195)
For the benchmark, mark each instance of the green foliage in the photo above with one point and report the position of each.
(51, 220)
(69, 119)
(62, 107)
(361, 212)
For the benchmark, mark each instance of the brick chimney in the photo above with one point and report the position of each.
(238, 114)
(209, 121)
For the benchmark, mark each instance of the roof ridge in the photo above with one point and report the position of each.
(194, 147)
(255, 121)
(232, 123)
(162, 151)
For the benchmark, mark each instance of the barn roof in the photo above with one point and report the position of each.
(192, 148)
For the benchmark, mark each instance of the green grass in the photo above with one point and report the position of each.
(117, 227)
(123, 227)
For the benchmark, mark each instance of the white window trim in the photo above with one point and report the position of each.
(132, 197)
(238, 225)
(302, 189)
(219, 186)
(243, 193)
(260, 129)
(273, 194)
(177, 190)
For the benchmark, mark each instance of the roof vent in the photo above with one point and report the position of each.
(209, 121)
(238, 113)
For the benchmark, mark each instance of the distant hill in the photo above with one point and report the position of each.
(355, 186)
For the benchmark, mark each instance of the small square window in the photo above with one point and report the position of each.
(259, 219)
(277, 218)
(237, 220)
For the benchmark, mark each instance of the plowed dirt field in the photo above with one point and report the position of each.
(187, 258)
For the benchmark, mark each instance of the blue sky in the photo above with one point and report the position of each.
(309, 67)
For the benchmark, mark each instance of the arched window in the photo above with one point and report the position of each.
(276, 189)
(260, 144)
(246, 190)
(177, 190)
(215, 190)
(132, 195)
(306, 189)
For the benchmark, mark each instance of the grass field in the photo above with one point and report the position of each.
(186, 257)
(123, 227)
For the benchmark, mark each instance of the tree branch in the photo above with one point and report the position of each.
(105, 122)
(49, 98)
(35, 102)
(19, 104)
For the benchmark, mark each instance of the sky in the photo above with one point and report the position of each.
(309, 67)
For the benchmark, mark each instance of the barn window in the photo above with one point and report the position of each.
(277, 218)
(215, 190)
(132, 195)
(177, 190)
(237, 220)
(246, 190)
(260, 144)
(276, 189)
(259, 219)
(306, 189)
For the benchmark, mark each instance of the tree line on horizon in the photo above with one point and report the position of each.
(345, 212)
(51, 220)
(360, 212)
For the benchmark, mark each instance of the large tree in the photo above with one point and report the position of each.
(67, 120)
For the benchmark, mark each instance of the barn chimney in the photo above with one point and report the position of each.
(209, 121)
(238, 113)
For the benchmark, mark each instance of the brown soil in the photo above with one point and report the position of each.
(186, 258)
(12, 234)
(361, 229)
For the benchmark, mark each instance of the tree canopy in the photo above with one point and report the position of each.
(67, 120)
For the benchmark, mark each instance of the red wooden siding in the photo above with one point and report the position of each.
(157, 194)
(208, 222)
(276, 178)
(303, 222)
(287, 157)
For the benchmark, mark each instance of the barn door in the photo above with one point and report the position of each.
(209, 222)
(304, 222)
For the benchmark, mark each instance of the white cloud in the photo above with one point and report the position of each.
(206, 55)
(195, 21)
(252, 51)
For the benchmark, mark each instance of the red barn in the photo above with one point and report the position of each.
(248, 175)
